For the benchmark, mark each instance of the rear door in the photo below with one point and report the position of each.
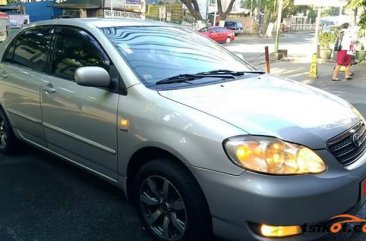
(80, 122)
(214, 34)
(221, 33)
(21, 71)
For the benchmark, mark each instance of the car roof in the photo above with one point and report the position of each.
(100, 22)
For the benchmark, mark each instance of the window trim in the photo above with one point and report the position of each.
(105, 58)
(118, 86)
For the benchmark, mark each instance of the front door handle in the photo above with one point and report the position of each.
(48, 87)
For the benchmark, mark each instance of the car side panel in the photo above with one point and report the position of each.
(19, 92)
(80, 124)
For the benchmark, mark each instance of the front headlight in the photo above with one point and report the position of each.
(272, 156)
(358, 113)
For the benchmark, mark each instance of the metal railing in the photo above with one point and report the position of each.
(301, 27)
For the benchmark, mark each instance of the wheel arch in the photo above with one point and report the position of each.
(147, 154)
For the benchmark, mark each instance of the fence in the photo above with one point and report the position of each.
(301, 27)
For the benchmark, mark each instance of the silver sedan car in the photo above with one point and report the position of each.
(203, 143)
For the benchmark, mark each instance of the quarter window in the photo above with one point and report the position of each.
(75, 48)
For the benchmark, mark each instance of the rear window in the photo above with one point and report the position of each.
(233, 24)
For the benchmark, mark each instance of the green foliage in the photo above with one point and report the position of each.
(326, 39)
(359, 4)
(352, 4)
(362, 22)
(331, 11)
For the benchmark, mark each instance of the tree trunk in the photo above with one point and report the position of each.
(223, 14)
(193, 8)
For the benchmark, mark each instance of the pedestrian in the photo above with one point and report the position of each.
(344, 55)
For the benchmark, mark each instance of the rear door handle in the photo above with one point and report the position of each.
(48, 87)
(3, 75)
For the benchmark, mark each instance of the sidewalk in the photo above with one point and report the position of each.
(352, 90)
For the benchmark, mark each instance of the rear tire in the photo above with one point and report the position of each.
(170, 203)
(8, 140)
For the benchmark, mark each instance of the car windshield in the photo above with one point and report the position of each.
(157, 53)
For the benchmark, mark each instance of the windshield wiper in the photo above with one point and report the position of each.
(230, 72)
(220, 73)
(181, 78)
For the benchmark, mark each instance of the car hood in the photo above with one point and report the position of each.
(270, 106)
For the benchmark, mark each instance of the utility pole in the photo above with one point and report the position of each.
(207, 3)
(278, 27)
(317, 29)
(251, 8)
(214, 21)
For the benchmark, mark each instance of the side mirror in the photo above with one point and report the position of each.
(92, 76)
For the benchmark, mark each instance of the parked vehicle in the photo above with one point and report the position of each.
(201, 141)
(236, 26)
(219, 34)
(4, 26)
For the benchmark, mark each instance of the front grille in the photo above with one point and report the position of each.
(350, 145)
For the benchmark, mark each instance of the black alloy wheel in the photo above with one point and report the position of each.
(170, 202)
(7, 139)
(163, 208)
(3, 134)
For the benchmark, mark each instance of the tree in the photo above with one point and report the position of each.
(223, 14)
(355, 5)
(193, 8)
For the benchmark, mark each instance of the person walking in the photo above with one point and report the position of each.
(344, 58)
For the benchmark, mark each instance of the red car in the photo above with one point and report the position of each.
(219, 34)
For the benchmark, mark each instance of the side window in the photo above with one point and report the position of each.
(31, 49)
(75, 48)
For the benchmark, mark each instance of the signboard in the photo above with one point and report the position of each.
(134, 2)
(322, 3)
(122, 14)
(127, 5)
(3, 2)
(18, 20)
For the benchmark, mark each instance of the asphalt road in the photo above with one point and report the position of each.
(43, 198)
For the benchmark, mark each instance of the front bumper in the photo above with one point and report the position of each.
(235, 201)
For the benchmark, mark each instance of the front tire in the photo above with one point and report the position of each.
(228, 40)
(8, 140)
(170, 203)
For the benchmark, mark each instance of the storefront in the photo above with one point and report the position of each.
(100, 8)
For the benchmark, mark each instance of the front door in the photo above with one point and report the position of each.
(80, 122)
